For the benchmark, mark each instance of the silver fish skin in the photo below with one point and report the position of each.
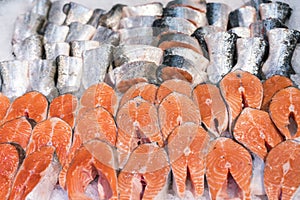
(137, 21)
(29, 49)
(94, 20)
(139, 35)
(107, 36)
(149, 9)
(80, 31)
(41, 77)
(242, 17)
(77, 13)
(95, 64)
(217, 15)
(197, 18)
(256, 4)
(221, 48)
(78, 47)
(242, 32)
(15, 78)
(41, 7)
(261, 27)
(69, 74)
(112, 18)
(52, 50)
(173, 24)
(141, 40)
(26, 25)
(199, 5)
(282, 43)
(55, 33)
(56, 14)
(131, 53)
(251, 52)
(278, 10)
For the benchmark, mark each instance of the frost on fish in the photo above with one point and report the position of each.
(149, 9)
(241, 32)
(41, 7)
(55, 33)
(52, 50)
(137, 21)
(278, 10)
(79, 47)
(282, 43)
(242, 17)
(251, 52)
(95, 64)
(76, 13)
(217, 15)
(137, 36)
(199, 5)
(257, 182)
(262, 27)
(106, 35)
(15, 78)
(69, 74)
(29, 49)
(112, 18)
(56, 13)
(79, 31)
(41, 77)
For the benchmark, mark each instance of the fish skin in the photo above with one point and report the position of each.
(199, 5)
(29, 49)
(15, 78)
(69, 74)
(106, 35)
(282, 43)
(52, 50)
(261, 27)
(136, 32)
(78, 31)
(41, 77)
(79, 47)
(41, 7)
(76, 13)
(137, 21)
(173, 24)
(112, 18)
(194, 16)
(55, 33)
(279, 10)
(217, 15)
(242, 16)
(149, 9)
(56, 14)
(95, 64)
(94, 20)
(221, 47)
(251, 52)
(241, 32)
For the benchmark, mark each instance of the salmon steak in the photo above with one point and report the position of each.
(271, 86)
(33, 105)
(281, 174)
(9, 162)
(228, 170)
(141, 126)
(240, 89)
(146, 174)
(174, 110)
(37, 175)
(212, 108)
(93, 158)
(187, 145)
(284, 111)
(16, 131)
(64, 107)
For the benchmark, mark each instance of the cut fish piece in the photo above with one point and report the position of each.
(146, 91)
(94, 20)
(279, 10)
(146, 174)
(80, 31)
(112, 18)
(173, 85)
(89, 163)
(32, 105)
(255, 130)
(76, 13)
(107, 36)
(199, 5)
(64, 107)
(282, 169)
(240, 89)
(243, 17)
(37, 175)
(55, 33)
(9, 160)
(141, 126)
(52, 50)
(284, 109)
(149, 9)
(241, 32)
(228, 165)
(187, 146)
(16, 131)
(212, 108)
(261, 28)
(271, 86)
(217, 15)
(4, 105)
(99, 94)
(79, 47)
(136, 21)
(41, 7)
(29, 49)
(174, 110)
(56, 13)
